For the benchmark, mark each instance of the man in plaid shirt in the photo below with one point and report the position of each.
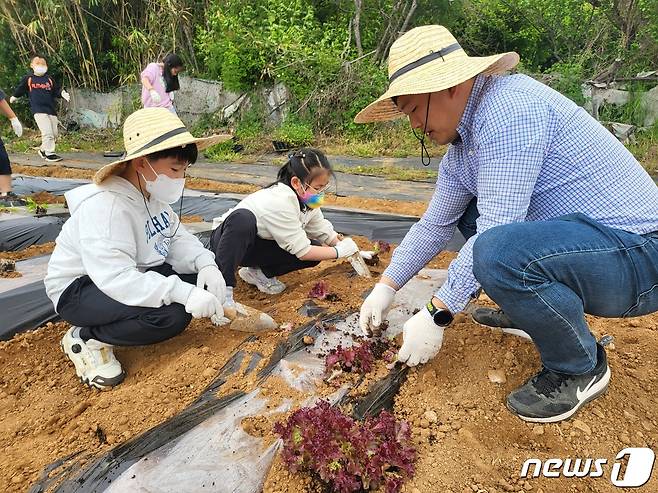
(560, 218)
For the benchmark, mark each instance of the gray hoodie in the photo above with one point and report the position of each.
(111, 238)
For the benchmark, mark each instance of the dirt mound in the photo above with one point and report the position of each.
(466, 439)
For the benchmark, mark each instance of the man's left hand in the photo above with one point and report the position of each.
(422, 339)
(211, 279)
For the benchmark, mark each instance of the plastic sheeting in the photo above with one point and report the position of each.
(28, 185)
(18, 234)
(204, 447)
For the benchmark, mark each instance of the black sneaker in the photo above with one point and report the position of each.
(41, 154)
(11, 200)
(53, 158)
(549, 397)
(497, 319)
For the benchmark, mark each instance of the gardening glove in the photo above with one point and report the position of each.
(211, 279)
(16, 125)
(66, 96)
(375, 308)
(13, 99)
(367, 254)
(201, 304)
(422, 339)
(346, 248)
(155, 97)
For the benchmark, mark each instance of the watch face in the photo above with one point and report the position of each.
(442, 317)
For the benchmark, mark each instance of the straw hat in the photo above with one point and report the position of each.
(151, 130)
(429, 59)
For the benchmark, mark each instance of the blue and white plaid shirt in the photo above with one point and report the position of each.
(528, 154)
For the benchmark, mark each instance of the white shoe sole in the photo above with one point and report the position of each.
(246, 277)
(84, 379)
(595, 391)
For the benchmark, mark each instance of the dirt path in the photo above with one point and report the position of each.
(414, 208)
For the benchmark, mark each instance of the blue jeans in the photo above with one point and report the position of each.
(546, 275)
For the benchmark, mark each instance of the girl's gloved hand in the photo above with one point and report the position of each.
(155, 97)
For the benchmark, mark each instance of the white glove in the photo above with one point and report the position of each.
(375, 308)
(367, 254)
(13, 99)
(155, 97)
(66, 96)
(422, 339)
(16, 125)
(346, 248)
(201, 304)
(211, 279)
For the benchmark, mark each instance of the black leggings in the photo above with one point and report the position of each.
(236, 243)
(5, 166)
(106, 320)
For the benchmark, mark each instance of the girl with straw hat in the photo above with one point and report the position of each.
(124, 271)
(560, 218)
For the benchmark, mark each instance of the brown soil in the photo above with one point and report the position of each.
(48, 198)
(11, 274)
(53, 171)
(29, 252)
(466, 439)
(382, 205)
(191, 219)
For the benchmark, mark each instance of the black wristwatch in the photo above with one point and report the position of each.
(441, 317)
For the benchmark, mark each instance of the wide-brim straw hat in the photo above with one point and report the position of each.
(429, 59)
(151, 130)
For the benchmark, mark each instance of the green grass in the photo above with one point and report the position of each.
(645, 148)
(88, 140)
(389, 172)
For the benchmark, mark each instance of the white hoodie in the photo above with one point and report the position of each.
(279, 218)
(111, 238)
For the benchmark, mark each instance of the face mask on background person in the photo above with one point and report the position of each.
(40, 70)
(164, 188)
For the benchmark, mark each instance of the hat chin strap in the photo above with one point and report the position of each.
(424, 153)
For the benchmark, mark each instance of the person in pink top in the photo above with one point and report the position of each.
(159, 81)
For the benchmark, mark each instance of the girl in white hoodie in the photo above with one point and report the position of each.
(124, 270)
(280, 228)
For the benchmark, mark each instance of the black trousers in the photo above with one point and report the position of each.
(106, 320)
(236, 243)
(5, 166)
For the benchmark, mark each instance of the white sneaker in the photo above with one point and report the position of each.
(94, 361)
(255, 277)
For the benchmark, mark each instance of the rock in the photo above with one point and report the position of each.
(252, 320)
(205, 350)
(598, 413)
(582, 426)
(18, 479)
(208, 372)
(647, 425)
(445, 428)
(625, 439)
(424, 423)
(497, 376)
(431, 416)
(308, 340)
(538, 430)
(79, 409)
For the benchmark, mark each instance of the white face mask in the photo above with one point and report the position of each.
(40, 70)
(164, 188)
